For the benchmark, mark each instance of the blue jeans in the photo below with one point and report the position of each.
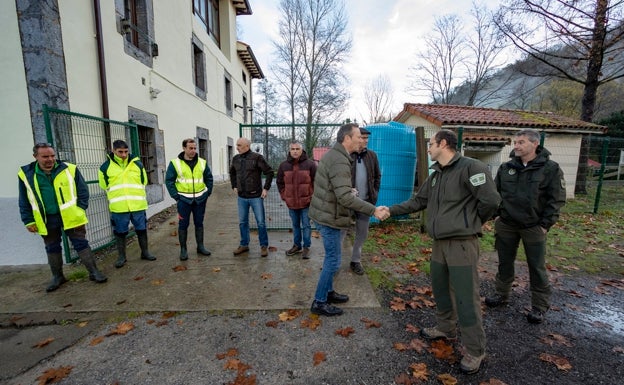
(333, 254)
(121, 221)
(184, 214)
(257, 206)
(300, 220)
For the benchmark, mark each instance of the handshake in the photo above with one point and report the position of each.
(382, 213)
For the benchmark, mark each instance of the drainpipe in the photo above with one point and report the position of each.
(102, 72)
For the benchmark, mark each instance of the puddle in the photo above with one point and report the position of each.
(611, 317)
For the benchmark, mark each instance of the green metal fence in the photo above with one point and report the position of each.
(272, 141)
(85, 140)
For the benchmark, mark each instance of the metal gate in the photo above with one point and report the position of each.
(272, 141)
(84, 141)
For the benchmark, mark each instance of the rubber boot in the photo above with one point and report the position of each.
(182, 235)
(145, 254)
(199, 238)
(55, 260)
(121, 249)
(87, 259)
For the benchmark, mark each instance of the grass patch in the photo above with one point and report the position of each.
(77, 274)
(580, 242)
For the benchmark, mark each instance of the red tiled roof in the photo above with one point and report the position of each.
(450, 115)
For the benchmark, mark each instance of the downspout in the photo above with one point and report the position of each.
(102, 71)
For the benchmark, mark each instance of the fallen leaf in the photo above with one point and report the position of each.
(345, 332)
(370, 323)
(312, 323)
(231, 364)
(82, 324)
(272, 248)
(292, 286)
(404, 379)
(43, 343)
(232, 352)
(54, 375)
(447, 379)
(179, 268)
(420, 371)
(139, 278)
(418, 345)
(397, 304)
(289, 315)
(400, 346)
(272, 323)
(96, 340)
(121, 329)
(412, 329)
(560, 362)
(493, 381)
(266, 276)
(169, 314)
(162, 323)
(216, 269)
(120, 302)
(318, 358)
(441, 350)
(158, 282)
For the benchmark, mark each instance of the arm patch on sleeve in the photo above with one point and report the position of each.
(477, 179)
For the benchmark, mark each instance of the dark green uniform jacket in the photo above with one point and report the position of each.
(459, 198)
(532, 195)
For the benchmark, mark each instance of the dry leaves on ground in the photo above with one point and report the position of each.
(560, 362)
(53, 375)
(43, 343)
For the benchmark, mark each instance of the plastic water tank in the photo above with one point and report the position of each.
(395, 145)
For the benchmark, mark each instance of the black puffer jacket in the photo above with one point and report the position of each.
(532, 195)
(246, 174)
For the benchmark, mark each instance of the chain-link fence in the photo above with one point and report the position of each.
(85, 140)
(273, 141)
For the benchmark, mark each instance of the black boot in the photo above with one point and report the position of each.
(87, 259)
(121, 249)
(145, 254)
(55, 260)
(182, 235)
(199, 238)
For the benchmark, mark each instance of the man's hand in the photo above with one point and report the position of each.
(264, 193)
(235, 190)
(382, 213)
(32, 228)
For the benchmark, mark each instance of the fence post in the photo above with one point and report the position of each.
(603, 161)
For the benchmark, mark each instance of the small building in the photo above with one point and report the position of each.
(488, 132)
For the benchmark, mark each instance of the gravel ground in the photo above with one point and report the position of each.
(584, 330)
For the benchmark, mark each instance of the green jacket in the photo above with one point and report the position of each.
(333, 199)
(459, 198)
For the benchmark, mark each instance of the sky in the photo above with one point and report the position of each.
(386, 36)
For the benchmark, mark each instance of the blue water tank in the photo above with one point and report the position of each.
(395, 145)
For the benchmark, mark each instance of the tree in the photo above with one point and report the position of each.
(266, 108)
(436, 65)
(378, 98)
(577, 40)
(312, 47)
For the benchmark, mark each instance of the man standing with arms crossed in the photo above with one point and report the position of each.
(246, 179)
(533, 191)
(123, 177)
(53, 197)
(331, 207)
(295, 182)
(460, 196)
(366, 179)
(189, 181)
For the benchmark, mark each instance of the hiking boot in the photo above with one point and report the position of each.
(293, 250)
(435, 334)
(535, 316)
(471, 364)
(264, 251)
(333, 297)
(241, 250)
(357, 268)
(497, 300)
(306, 253)
(324, 308)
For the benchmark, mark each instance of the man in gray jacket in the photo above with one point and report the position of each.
(331, 206)
(460, 196)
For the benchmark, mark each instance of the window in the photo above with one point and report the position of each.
(199, 68)
(148, 151)
(228, 94)
(137, 27)
(208, 12)
(244, 109)
(135, 13)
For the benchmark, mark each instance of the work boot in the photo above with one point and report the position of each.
(142, 237)
(264, 251)
(435, 334)
(87, 259)
(240, 250)
(293, 250)
(324, 308)
(333, 297)
(55, 260)
(535, 316)
(357, 268)
(471, 364)
(497, 300)
(305, 254)
(199, 238)
(121, 249)
(182, 235)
